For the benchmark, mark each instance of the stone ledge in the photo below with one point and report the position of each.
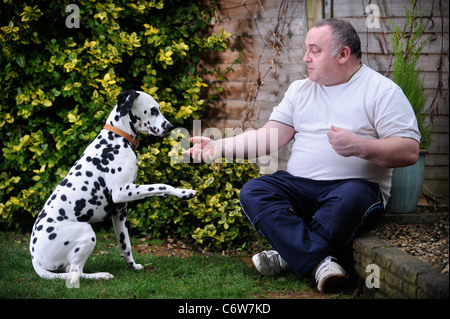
(401, 276)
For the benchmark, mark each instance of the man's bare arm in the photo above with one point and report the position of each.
(388, 152)
(250, 144)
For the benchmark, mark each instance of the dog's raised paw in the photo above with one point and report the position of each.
(188, 193)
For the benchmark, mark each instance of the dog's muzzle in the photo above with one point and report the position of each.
(167, 128)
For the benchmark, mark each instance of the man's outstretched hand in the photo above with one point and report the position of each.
(204, 149)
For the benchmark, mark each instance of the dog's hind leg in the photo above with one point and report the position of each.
(71, 248)
(80, 248)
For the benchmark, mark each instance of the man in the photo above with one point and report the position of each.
(350, 127)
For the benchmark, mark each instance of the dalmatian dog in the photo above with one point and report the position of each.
(97, 187)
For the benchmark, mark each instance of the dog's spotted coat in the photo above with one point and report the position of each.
(98, 187)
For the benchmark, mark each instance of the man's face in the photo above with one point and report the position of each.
(322, 67)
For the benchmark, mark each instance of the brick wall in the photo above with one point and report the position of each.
(268, 63)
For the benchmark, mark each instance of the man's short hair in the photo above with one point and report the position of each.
(343, 34)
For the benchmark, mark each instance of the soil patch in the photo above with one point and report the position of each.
(428, 242)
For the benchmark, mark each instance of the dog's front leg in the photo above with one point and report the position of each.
(124, 239)
(131, 192)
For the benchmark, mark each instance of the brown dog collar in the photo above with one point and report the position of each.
(125, 135)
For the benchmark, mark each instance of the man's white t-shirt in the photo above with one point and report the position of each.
(369, 104)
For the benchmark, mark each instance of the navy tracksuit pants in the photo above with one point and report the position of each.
(307, 220)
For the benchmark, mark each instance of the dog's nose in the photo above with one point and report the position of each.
(169, 127)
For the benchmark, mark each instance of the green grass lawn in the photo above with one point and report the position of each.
(200, 276)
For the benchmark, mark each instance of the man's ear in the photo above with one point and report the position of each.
(125, 101)
(344, 54)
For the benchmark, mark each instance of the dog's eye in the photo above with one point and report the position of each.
(154, 111)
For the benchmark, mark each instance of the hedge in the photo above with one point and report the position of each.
(61, 69)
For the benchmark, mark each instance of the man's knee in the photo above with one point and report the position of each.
(248, 194)
(248, 189)
(260, 196)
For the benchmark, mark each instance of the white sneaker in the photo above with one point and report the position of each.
(329, 275)
(269, 263)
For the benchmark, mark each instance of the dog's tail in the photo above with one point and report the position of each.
(72, 277)
(44, 273)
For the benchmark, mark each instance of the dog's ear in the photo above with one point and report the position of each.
(125, 101)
